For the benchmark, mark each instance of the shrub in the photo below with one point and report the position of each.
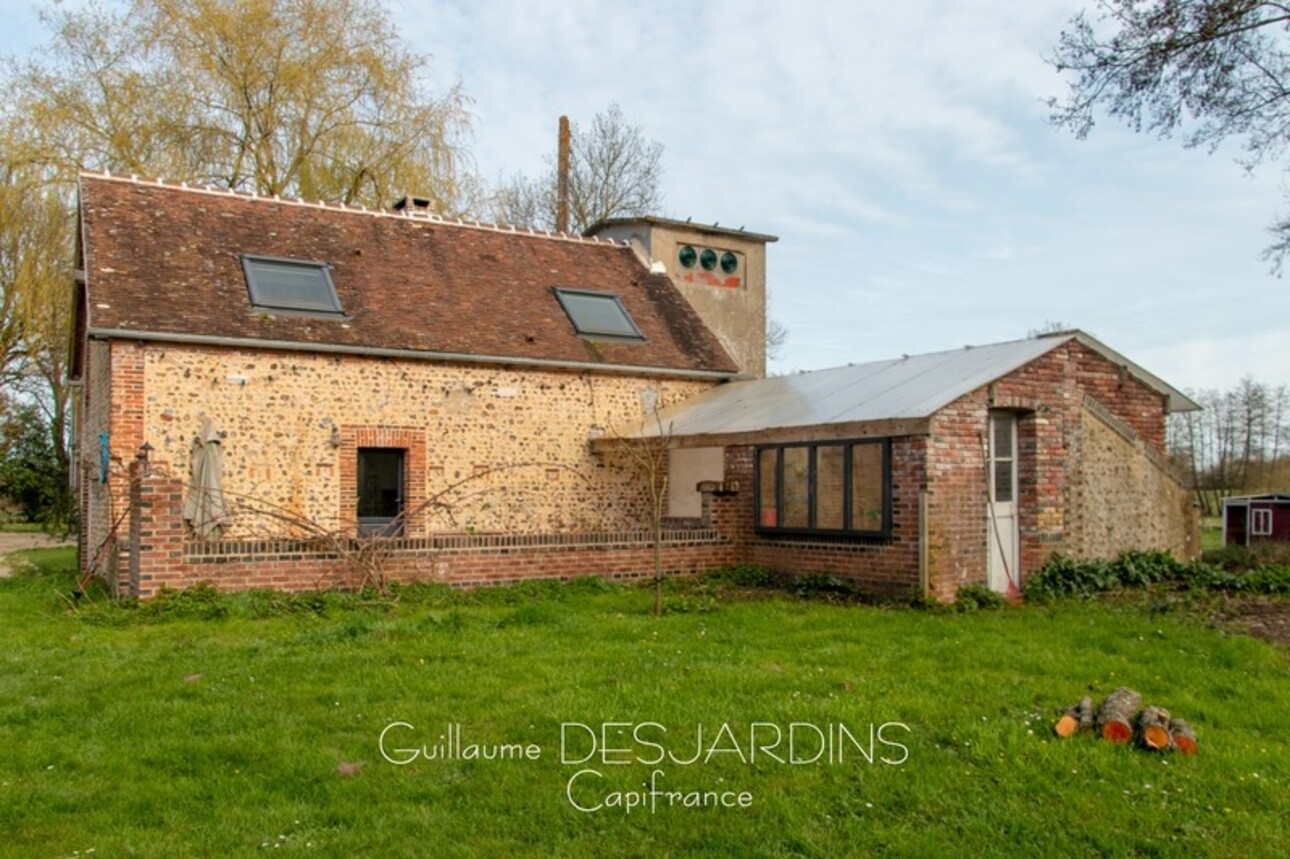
(977, 597)
(1064, 577)
(823, 585)
(1271, 580)
(752, 576)
(199, 602)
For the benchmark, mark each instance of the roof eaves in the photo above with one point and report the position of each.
(410, 354)
(1177, 400)
(707, 229)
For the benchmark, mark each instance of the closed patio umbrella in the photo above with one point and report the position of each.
(204, 504)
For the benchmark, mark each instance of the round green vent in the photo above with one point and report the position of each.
(708, 259)
(687, 256)
(729, 262)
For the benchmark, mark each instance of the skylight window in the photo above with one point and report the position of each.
(597, 314)
(291, 285)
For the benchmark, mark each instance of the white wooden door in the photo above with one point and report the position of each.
(1001, 513)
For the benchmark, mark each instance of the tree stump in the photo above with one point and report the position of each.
(1182, 737)
(1115, 718)
(1153, 729)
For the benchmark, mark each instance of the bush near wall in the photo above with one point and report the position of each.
(1065, 577)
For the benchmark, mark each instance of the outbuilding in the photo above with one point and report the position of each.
(1251, 520)
(929, 472)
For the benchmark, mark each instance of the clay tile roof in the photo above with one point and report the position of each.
(163, 260)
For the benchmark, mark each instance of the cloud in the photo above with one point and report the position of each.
(1220, 362)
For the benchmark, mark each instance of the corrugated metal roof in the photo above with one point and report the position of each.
(1241, 500)
(911, 387)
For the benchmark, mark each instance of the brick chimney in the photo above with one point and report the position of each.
(722, 272)
(416, 205)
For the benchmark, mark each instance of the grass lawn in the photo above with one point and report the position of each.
(172, 735)
(1211, 533)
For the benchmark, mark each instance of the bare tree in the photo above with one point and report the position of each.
(1233, 445)
(776, 337)
(1206, 69)
(614, 171)
(1050, 326)
(366, 557)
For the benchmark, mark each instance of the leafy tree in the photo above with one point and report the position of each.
(35, 274)
(12, 241)
(1205, 69)
(33, 475)
(614, 171)
(312, 98)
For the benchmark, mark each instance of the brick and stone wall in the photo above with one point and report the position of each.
(490, 449)
(1123, 500)
(161, 554)
(490, 453)
(508, 487)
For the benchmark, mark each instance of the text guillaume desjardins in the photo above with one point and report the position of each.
(588, 751)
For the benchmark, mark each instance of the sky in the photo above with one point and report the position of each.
(901, 153)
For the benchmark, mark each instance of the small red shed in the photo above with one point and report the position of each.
(1252, 519)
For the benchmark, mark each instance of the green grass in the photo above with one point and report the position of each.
(22, 527)
(158, 733)
(1211, 533)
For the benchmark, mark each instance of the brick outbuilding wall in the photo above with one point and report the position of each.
(1083, 488)
(886, 567)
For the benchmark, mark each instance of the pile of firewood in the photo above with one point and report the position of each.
(1122, 718)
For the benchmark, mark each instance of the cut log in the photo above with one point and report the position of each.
(1068, 724)
(1182, 736)
(1085, 712)
(1153, 729)
(1077, 719)
(1116, 715)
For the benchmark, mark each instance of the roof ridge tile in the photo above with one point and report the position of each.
(185, 187)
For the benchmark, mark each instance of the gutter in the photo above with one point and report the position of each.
(409, 354)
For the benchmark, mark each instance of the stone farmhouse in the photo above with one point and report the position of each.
(482, 402)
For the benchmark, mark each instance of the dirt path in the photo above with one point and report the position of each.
(1261, 617)
(13, 541)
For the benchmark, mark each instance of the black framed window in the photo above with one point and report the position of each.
(291, 285)
(835, 487)
(380, 491)
(597, 314)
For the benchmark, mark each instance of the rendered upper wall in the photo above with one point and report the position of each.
(731, 302)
